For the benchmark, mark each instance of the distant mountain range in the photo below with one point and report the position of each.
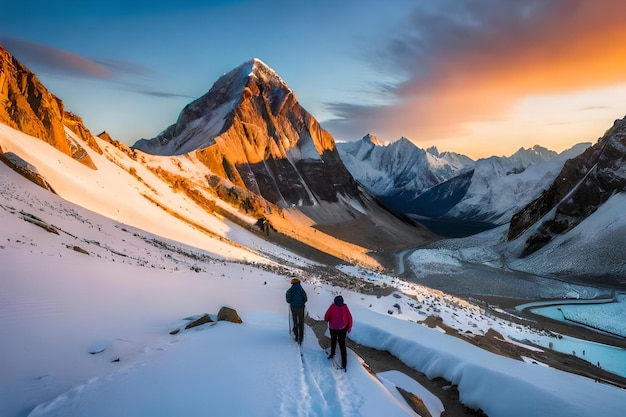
(247, 151)
(449, 192)
(399, 168)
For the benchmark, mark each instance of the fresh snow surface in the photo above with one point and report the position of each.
(598, 241)
(57, 304)
(111, 191)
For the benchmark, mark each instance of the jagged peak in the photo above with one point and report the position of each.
(257, 69)
(405, 141)
(249, 67)
(240, 92)
(618, 125)
(433, 150)
(537, 151)
(373, 139)
(104, 135)
(231, 85)
(259, 65)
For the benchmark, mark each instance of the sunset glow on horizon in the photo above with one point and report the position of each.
(464, 76)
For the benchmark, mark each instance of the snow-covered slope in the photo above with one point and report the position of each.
(181, 200)
(90, 307)
(593, 250)
(101, 286)
(113, 191)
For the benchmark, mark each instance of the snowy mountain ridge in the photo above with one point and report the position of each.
(398, 167)
(449, 186)
(583, 185)
(501, 186)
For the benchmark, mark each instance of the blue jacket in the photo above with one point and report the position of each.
(296, 296)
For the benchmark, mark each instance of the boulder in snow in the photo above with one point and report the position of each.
(228, 314)
(199, 321)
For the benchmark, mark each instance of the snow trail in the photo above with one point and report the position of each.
(334, 392)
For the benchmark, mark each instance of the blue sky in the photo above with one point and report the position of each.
(465, 75)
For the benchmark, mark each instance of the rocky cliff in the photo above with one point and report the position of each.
(26, 105)
(583, 185)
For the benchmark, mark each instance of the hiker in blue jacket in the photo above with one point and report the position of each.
(296, 297)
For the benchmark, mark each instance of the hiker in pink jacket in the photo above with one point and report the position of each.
(339, 321)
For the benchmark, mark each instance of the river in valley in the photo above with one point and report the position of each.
(570, 303)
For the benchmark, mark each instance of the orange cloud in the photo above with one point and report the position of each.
(583, 50)
(474, 62)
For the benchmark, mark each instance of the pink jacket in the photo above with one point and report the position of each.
(338, 317)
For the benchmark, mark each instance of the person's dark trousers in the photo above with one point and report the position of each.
(339, 336)
(297, 313)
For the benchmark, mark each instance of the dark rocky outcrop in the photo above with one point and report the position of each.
(584, 184)
(75, 124)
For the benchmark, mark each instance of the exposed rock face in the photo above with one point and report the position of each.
(584, 184)
(105, 136)
(75, 124)
(250, 129)
(26, 105)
